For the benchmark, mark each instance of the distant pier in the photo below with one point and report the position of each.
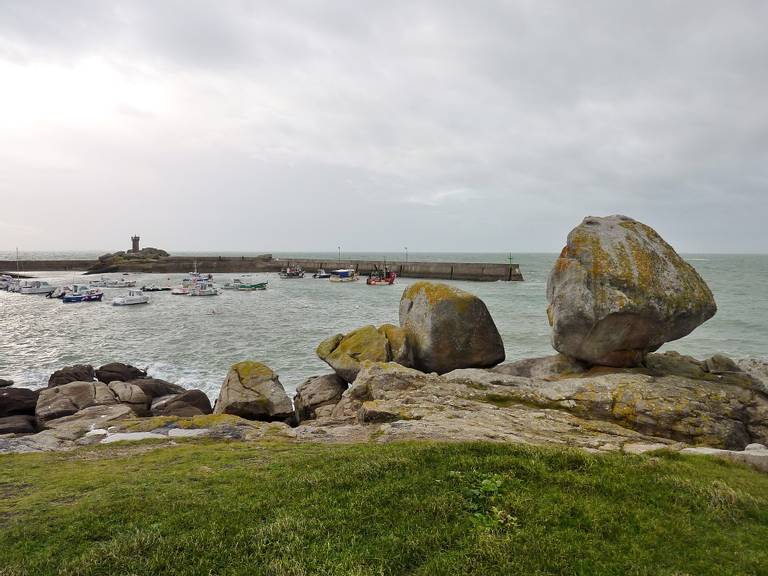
(472, 271)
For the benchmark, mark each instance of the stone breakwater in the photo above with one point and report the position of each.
(480, 272)
(440, 374)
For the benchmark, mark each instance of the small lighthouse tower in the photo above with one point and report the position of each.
(135, 243)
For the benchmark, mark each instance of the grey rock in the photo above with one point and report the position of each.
(90, 418)
(154, 387)
(17, 401)
(756, 458)
(132, 437)
(618, 291)
(67, 399)
(20, 424)
(188, 432)
(317, 392)
(188, 403)
(720, 363)
(253, 391)
(448, 328)
(546, 367)
(131, 395)
(76, 373)
(119, 371)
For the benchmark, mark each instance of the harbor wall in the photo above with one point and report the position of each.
(482, 272)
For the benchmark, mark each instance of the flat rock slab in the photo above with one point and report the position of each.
(188, 432)
(755, 457)
(132, 437)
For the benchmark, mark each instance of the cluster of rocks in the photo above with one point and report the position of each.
(112, 262)
(616, 294)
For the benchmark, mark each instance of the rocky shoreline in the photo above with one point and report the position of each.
(617, 293)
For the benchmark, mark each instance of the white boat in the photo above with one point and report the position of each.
(180, 291)
(203, 289)
(35, 287)
(5, 281)
(234, 285)
(321, 274)
(344, 275)
(133, 297)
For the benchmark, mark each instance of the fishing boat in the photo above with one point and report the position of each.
(69, 290)
(321, 273)
(132, 298)
(234, 285)
(381, 277)
(155, 288)
(344, 275)
(252, 287)
(180, 291)
(5, 281)
(93, 295)
(289, 272)
(35, 287)
(204, 289)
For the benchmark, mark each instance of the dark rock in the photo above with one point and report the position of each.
(17, 401)
(19, 424)
(117, 371)
(70, 398)
(186, 404)
(154, 387)
(77, 373)
(5, 383)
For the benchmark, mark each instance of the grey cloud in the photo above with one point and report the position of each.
(508, 121)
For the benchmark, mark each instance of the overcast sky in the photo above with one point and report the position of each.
(440, 125)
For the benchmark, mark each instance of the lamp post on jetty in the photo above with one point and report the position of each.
(406, 254)
(339, 247)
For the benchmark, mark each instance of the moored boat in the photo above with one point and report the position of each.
(289, 273)
(381, 277)
(234, 285)
(321, 274)
(132, 298)
(155, 288)
(252, 287)
(344, 275)
(204, 289)
(35, 287)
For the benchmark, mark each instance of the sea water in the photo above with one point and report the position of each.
(193, 341)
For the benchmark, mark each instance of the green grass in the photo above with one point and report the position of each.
(407, 508)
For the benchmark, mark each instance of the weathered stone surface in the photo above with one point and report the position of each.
(5, 383)
(756, 457)
(19, 424)
(131, 395)
(188, 403)
(619, 291)
(76, 425)
(69, 398)
(17, 401)
(76, 373)
(757, 369)
(119, 371)
(253, 391)
(448, 328)
(344, 353)
(317, 392)
(547, 367)
(132, 437)
(719, 364)
(154, 387)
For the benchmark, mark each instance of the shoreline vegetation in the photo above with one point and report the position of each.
(423, 451)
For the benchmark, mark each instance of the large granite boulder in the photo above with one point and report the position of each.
(448, 328)
(253, 391)
(344, 353)
(18, 424)
(318, 394)
(119, 371)
(188, 403)
(618, 291)
(70, 398)
(76, 373)
(154, 387)
(17, 401)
